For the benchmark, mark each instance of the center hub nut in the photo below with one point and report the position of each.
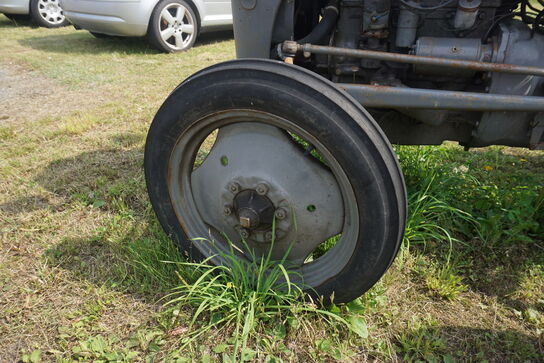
(254, 211)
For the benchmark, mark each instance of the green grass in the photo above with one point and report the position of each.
(246, 299)
(83, 275)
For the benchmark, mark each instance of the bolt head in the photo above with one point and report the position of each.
(244, 233)
(227, 210)
(280, 213)
(245, 222)
(234, 188)
(262, 189)
(268, 236)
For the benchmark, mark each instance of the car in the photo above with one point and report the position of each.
(46, 13)
(169, 25)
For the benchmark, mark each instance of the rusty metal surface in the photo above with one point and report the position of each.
(421, 60)
(412, 98)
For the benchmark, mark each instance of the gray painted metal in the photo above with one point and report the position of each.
(430, 61)
(517, 46)
(397, 97)
(470, 49)
(467, 13)
(407, 28)
(253, 27)
(268, 156)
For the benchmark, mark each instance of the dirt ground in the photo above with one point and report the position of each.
(26, 95)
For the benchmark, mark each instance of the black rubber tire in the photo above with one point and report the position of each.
(38, 20)
(18, 17)
(323, 110)
(153, 33)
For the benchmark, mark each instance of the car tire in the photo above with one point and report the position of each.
(47, 14)
(173, 26)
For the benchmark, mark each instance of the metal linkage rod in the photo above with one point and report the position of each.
(413, 59)
(410, 98)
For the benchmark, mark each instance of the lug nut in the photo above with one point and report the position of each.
(280, 213)
(234, 188)
(227, 210)
(244, 233)
(262, 189)
(268, 236)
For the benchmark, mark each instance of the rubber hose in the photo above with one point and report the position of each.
(325, 26)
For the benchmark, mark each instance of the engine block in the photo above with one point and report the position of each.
(498, 32)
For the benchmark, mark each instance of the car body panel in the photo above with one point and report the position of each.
(15, 6)
(131, 17)
(119, 17)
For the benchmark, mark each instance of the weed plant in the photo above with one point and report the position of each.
(242, 296)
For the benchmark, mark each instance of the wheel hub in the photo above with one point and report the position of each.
(253, 207)
(50, 11)
(254, 211)
(265, 161)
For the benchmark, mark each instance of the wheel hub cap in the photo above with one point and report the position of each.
(254, 211)
(50, 11)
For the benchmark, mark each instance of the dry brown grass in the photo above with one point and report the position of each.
(74, 112)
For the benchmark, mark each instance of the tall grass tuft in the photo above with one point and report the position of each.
(241, 296)
(432, 219)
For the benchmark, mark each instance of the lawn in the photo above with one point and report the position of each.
(82, 271)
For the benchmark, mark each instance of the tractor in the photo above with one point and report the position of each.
(287, 151)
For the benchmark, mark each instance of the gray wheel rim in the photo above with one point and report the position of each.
(210, 241)
(50, 11)
(176, 26)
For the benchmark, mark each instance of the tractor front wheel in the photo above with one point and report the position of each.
(249, 146)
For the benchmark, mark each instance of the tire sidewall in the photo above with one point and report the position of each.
(324, 119)
(154, 26)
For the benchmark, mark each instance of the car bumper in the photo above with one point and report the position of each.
(14, 6)
(119, 17)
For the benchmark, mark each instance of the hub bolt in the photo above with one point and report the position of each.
(280, 213)
(227, 210)
(262, 189)
(244, 233)
(234, 188)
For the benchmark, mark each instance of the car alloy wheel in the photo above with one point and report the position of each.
(177, 26)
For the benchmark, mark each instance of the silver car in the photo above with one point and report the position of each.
(170, 25)
(47, 13)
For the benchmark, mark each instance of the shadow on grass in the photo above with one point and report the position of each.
(135, 264)
(82, 42)
(468, 344)
(9, 23)
(503, 191)
(25, 204)
(126, 249)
